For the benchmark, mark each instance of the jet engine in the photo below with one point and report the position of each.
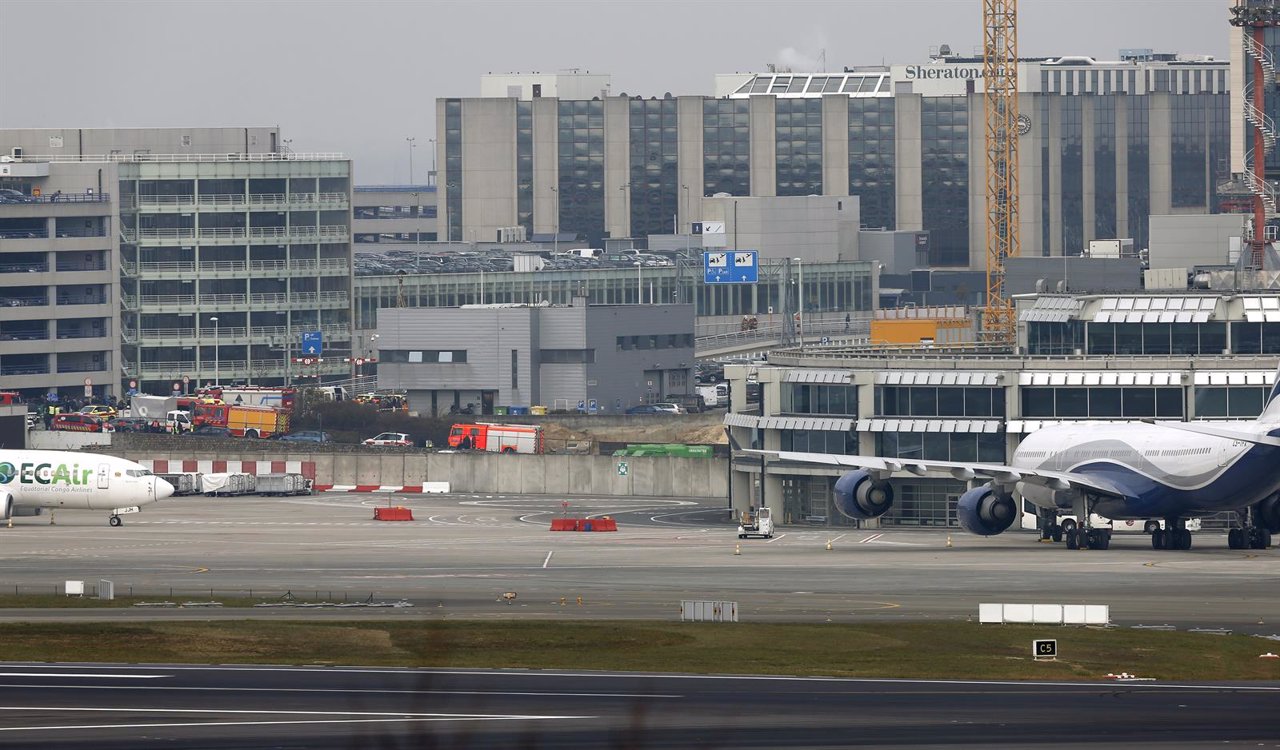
(861, 496)
(986, 511)
(1266, 513)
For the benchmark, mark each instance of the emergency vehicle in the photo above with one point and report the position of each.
(497, 438)
(243, 421)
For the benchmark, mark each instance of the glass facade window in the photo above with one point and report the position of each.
(1239, 401)
(1102, 402)
(654, 180)
(1104, 166)
(872, 162)
(939, 401)
(820, 441)
(1071, 129)
(524, 166)
(453, 168)
(1255, 338)
(1157, 338)
(1046, 226)
(1188, 150)
(944, 138)
(1139, 169)
(798, 146)
(942, 446)
(726, 146)
(925, 504)
(1055, 338)
(804, 398)
(581, 161)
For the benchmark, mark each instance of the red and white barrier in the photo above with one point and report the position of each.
(408, 489)
(256, 468)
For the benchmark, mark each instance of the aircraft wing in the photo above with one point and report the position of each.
(1219, 431)
(1000, 473)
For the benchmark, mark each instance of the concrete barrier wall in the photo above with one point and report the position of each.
(647, 476)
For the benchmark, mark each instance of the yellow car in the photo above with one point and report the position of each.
(100, 410)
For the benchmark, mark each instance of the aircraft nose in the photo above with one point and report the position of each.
(161, 488)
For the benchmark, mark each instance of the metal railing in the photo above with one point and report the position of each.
(231, 266)
(23, 301)
(24, 234)
(24, 369)
(24, 267)
(76, 300)
(214, 300)
(182, 158)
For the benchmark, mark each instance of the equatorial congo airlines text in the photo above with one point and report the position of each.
(58, 478)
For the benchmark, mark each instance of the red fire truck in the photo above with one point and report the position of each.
(243, 421)
(497, 438)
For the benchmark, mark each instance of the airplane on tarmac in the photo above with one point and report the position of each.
(31, 481)
(1169, 470)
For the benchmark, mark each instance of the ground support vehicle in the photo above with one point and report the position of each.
(227, 485)
(756, 523)
(498, 438)
(243, 421)
(183, 484)
(283, 484)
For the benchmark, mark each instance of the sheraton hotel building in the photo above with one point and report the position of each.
(1104, 145)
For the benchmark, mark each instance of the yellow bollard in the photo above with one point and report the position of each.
(828, 545)
(949, 540)
(737, 549)
(11, 522)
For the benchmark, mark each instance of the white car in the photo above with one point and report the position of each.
(669, 408)
(389, 438)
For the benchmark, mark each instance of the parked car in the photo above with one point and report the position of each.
(129, 424)
(389, 438)
(691, 403)
(210, 430)
(100, 410)
(645, 409)
(77, 423)
(307, 436)
(9, 195)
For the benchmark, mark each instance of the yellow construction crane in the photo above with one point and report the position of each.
(1000, 100)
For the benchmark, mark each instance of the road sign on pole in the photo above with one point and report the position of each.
(731, 267)
(312, 343)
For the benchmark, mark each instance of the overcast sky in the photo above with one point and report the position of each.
(359, 76)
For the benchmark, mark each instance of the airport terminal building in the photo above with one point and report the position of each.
(1104, 145)
(1089, 359)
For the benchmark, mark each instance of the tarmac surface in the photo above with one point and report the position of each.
(463, 553)
(131, 707)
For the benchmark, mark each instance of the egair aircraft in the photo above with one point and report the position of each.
(1168, 470)
(31, 481)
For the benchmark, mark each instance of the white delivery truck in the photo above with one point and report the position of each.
(756, 523)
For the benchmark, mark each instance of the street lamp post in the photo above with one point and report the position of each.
(555, 238)
(214, 319)
(800, 294)
(368, 354)
(431, 178)
(411, 147)
(639, 285)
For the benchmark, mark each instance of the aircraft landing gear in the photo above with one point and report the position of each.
(1082, 535)
(1249, 537)
(1174, 535)
(1050, 529)
(115, 521)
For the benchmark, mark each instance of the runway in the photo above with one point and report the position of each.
(110, 707)
(465, 551)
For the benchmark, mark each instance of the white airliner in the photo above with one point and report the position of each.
(31, 481)
(1168, 470)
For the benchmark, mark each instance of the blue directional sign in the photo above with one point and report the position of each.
(312, 344)
(731, 267)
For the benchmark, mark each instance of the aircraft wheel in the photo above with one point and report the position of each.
(1068, 525)
(742, 536)
(1158, 539)
(1235, 539)
(1057, 533)
(1266, 539)
(1150, 526)
(1184, 539)
(1073, 538)
(115, 521)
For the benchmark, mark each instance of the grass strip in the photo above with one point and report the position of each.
(905, 650)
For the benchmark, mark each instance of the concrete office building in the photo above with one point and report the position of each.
(1104, 145)
(226, 247)
(1133, 357)
(484, 356)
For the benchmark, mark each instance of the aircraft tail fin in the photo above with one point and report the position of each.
(1271, 412)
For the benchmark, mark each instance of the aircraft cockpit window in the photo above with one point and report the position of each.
(138, 472)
